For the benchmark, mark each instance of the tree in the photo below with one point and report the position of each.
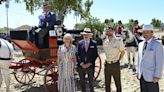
(129, 25)
(61, 7)
(156, 22)
(3, 30)
(94, 23)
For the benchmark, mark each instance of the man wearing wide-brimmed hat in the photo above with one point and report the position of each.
(150, 61)
(87, 54)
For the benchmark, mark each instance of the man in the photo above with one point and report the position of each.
(136, 28)
(87, 54)
(6, 55)
(150, 61)
(47, 22)
(114, 51)
(119, 28)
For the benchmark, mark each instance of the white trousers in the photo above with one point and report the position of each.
(4, 73)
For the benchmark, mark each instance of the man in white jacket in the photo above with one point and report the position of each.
(150, 61)
(6, 55)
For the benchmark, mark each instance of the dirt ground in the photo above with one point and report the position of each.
(128, 78)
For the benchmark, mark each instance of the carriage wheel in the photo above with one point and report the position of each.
(98, 65)
(50, 79)
(25, 73)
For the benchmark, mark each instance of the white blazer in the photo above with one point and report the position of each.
(6, 49)
(150, 64)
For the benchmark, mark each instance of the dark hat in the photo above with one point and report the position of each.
(136, 21)
(119, 22)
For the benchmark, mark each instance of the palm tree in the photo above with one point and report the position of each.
(156, 22)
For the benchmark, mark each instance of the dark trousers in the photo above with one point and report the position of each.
(43, 38)
(148, 86)
(82, 73)
(112, 70)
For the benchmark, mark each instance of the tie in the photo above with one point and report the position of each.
(144, 48)
(86, 46)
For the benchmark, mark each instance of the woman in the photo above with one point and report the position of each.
(66, 64)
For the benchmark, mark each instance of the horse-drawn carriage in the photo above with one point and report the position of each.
(42, 61)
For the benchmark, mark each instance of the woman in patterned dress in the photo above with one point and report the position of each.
(66, 65)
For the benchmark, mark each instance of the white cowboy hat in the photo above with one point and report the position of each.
(148, 27)
(87, 31)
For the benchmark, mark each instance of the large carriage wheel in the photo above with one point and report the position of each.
(50, 78)
(98, 65)
(25, 73)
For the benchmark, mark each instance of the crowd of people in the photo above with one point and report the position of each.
(82, 58)
(149, 67)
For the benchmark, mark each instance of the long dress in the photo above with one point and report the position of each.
(66, 80)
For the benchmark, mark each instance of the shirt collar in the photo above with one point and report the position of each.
(113, 38)
(46, 13)
(149, 40)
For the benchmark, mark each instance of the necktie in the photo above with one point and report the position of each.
(144, 48)
(86, 46)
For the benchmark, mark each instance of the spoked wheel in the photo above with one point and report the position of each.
(25, 73)
(50, 79)
(98, 65)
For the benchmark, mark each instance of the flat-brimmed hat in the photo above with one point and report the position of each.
(148, 27)
(87, 31)
(45, 3)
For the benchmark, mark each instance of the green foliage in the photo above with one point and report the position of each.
(156, 22)
(93, 23)
(3, 30)
(129, 25)
(61, 7)
(109, 21)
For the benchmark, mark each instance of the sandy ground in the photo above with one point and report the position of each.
(128, 78)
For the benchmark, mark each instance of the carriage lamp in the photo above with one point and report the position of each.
(58, 30)
(2, 1)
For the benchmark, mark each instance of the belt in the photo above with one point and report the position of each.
(5, 58)
(111, 62)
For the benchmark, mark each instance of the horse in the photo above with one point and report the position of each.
(131, 42)
(6, 56)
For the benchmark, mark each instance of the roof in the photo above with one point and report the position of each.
(23, 27)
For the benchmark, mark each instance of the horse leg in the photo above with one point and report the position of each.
(6, 75)
(128, 55)
(1, 79)
(134, 68)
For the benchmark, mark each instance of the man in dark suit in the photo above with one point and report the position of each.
(87, 54)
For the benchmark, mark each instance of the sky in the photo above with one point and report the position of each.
(142, 10)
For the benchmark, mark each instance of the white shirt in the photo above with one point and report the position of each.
(113, 49)
(6, 49)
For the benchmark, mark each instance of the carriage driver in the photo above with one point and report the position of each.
(47, 21)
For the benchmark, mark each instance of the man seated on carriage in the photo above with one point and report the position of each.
(47, 22)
